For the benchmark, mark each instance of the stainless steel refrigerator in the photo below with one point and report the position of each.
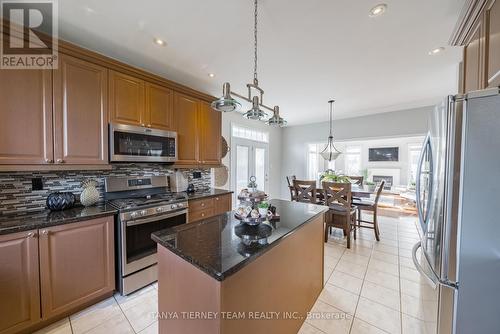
(458, 204)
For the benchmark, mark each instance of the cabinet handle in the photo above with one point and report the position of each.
(60, 161)
(203, 215)
(32, 235)
(143, 125)
(45, 232)
(202, 204)
(149, 125)
(216, 198)
(49, 161)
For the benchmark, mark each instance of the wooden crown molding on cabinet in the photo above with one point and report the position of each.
(470, 13)
(113, 64)
(92, 56)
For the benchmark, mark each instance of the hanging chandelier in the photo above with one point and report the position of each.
(330, 153)
(227, 103)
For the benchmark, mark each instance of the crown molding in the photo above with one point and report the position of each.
(469, 15)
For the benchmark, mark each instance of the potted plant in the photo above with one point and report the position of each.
(263, 208)
(331, 176)
(370, 185)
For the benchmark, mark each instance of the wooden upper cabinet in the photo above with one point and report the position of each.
(126, 99)
(159, 107)
(186, 118)
(19, 281)
(493, 43)
(26, 117)
(81, 120)
(76, 264)
(210, 134)
(472, 61)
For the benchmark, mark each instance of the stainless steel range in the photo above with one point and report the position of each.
(145, 205)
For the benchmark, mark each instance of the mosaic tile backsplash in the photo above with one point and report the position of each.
(16, 194)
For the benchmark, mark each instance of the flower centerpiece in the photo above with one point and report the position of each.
(331, 176)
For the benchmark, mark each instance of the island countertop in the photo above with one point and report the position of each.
(213, 246)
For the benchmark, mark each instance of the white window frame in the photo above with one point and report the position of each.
(322, 164)
(349, 151)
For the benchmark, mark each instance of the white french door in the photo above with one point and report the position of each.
(248, 158)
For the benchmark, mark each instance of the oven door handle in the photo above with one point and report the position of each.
(155, 218)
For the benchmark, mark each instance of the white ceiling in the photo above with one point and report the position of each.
(309, 51)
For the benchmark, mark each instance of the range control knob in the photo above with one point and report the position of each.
(174, 206)
(133, 214)
(180, 205)
(159, 209)
(143, 212)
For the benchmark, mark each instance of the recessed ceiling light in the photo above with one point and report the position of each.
(436, 51)
(160, 42)
(211, 75)
(378, 10)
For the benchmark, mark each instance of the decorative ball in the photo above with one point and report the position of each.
(60, 201)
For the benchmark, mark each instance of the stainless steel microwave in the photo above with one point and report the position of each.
(129, 143)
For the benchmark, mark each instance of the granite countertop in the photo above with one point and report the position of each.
(213, 246)
(12, 223)
(211, 192)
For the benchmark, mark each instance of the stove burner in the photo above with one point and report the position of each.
(134, 202)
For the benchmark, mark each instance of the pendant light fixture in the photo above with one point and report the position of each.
(227, 103)
(330, 153)
(276, 120)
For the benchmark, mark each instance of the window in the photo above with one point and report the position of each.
(413, 156)
(251, 134)
(352, 160)
(315, 162)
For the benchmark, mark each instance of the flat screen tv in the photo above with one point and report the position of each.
(383, 154)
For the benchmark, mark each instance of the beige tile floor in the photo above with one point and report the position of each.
(371, 288)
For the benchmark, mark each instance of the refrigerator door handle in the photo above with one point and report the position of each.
(426, 149)
(430, 280)
(433, 281)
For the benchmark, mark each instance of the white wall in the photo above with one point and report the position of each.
(406, 123)
(275, 137)
(402, 164)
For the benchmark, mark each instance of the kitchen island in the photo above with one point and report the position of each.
(210, 281)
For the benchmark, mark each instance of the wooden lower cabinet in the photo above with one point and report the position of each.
(223, 203)
(77, 264)
(203, 208)
(19, 282)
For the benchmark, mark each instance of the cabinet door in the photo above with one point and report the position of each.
(77, 264)
(126, 99)
(159, 107)
(222, 204)
(26, 113)
(19, 281)
(210, 134)
(472, 61)
(81, 122)
(493, 43)
(186, 115)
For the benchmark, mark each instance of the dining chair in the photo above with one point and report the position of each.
(305, 191)
(341, 213)
(289, 180)
(371, 206)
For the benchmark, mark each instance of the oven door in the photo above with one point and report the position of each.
(138, 249)
(139, 144)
